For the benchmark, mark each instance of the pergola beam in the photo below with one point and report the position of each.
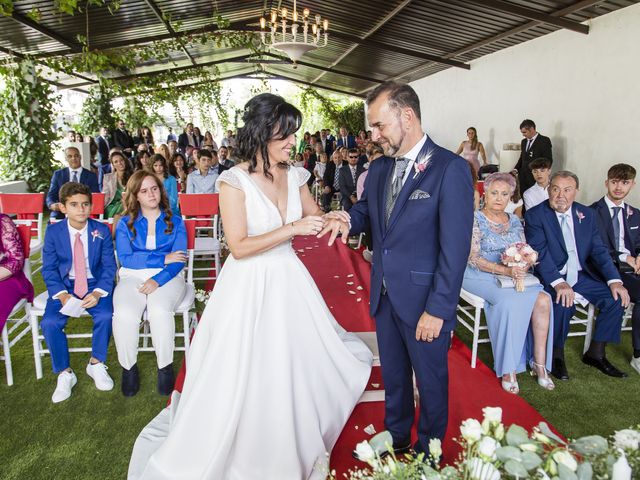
(75, 47)
(279, 76)
(158, 13)
(532, 14)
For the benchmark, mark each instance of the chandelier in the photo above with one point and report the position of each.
(297, 37)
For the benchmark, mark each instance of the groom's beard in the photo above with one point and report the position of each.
(390, 149)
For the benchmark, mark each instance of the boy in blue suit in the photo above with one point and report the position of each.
(74, 173)
(573, 264)
(78, 262)
(620, 230)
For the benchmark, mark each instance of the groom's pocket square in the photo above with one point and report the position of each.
(419, 195)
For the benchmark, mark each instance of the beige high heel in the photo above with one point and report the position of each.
(511, 385)
(545, 382)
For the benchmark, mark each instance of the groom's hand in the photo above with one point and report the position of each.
(428, 328)
(335, 226)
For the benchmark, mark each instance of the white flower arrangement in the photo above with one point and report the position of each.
(202, 296)
(491, 451)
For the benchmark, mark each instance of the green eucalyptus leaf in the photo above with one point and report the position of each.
(591, 445)
(508, 453)
(531, 460)
(516, 435)
(565, 473)
(515, 469)
(585, 471)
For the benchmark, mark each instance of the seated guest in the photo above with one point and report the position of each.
(298, 161)
(224, 157)
(163, 150)
(620, 231)
(14, 285)
(331, 180)
(75, 173)
(519, 322)
(541, 170)
(515, 202)
(141, 160)
(209, 141)
(178, 168)
(78, 262)
(314, 159)
(203, 178)
(151, 244)
(321, 166)
(572, 263)
(158, 165)
(173, 147)
(114, 184)
(348, 176)
(374, 151)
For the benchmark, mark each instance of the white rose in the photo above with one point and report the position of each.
(541, 438)
(511, 251)
(499, 433)
(566, 459)
(435, 448)
(471, 430)
(528, 447)
(365, 452)
(629, 439)
(487, 448)
(517, 257)
(492, 414)
(479, 470)
(621, 469)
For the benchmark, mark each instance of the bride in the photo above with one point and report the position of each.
(271, 377)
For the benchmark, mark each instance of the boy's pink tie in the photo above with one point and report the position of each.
(80, 268)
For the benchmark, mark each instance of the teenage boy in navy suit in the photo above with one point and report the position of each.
(78, 262)
(619, 225)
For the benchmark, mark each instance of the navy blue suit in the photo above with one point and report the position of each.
(103, 149)
(631, 221)
(421, 254)
(57, 262)
(544, 234)
(351, 142)
(60, 177)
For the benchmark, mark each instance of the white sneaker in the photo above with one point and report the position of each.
(98, 371)
(368, 255)
(66, 381)
(635, 364)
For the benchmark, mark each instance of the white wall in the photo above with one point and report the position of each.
(583, 91)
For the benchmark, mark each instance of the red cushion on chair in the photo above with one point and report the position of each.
(22, 203)
(25, 236)
(97, 204)
(199, 204)
(480, 187)
(190, 226)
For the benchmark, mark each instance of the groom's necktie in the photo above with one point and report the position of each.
(616, 226)
(572, 255)
(396, 185)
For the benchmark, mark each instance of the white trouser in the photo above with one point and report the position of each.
(128, 306)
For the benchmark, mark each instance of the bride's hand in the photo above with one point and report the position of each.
(309, 225)
(339, 215)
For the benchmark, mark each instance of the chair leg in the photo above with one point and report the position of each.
(36, 345)
(6, 348)
(217, 265)
(476, 336)
(591, 310)
(145, 333)
(186, 331)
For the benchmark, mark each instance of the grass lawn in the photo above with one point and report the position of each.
(90, 436)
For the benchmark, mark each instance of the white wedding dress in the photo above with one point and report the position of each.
(271, 376)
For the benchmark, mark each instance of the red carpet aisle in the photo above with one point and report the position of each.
(342, 276)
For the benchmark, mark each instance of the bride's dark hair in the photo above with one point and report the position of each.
(266, 117)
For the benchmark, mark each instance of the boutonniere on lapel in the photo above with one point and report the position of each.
(419, 167)
(629, 211)
(580, 216)
(96, 234)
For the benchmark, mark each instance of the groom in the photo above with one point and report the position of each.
(418, 203)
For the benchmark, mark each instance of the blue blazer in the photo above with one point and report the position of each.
(57, 257)
(544, 234)
(103, 150)
(133, 253)
(60, 177)
(351, 142)
(631, 220)
(422, 252)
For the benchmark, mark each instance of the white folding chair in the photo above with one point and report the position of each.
(204, 208)
(29, 210)
(17, 325)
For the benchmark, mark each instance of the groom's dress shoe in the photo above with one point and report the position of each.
(604, 366)
(559, 369)
(66, 381)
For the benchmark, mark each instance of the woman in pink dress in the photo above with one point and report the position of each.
(14, 286)
(472, 148)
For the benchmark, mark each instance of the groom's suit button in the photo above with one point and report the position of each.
(386, 251)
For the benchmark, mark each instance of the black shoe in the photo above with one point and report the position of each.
(604, 366)
(559, 369)
(130, 381)
(166, 380)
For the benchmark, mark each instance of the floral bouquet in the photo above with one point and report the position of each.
(519, 254)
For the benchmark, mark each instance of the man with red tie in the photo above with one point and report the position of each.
(78, 265)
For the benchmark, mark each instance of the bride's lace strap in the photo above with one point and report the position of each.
(230, 177)
(302, 175)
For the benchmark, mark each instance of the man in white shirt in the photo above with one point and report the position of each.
(229, 140)
(203, 178)
(572, 263)
(619, 225)
(541, 170)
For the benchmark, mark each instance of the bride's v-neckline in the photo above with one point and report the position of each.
(283, 219)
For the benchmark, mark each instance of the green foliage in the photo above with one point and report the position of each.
(27, 129)
(136, 113)
(6, 7)
(333, 113)
(97, 111)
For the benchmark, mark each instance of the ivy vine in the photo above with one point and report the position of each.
(333, 113)
(27, 126)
